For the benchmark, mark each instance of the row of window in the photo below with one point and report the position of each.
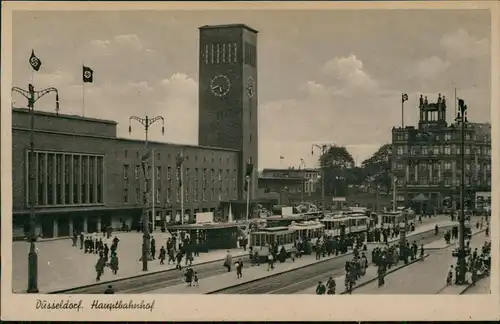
(447, 181)
(65, 179)
(445, 150)
(186, 157)
(196, 172)
(217, 53)
(189, 195)
(445, 136)
(447, 165)
(250, 57)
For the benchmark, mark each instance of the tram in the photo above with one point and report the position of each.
(282, 235)
(352, 223)
(280, 220)
(392, 219)
(309, 229)
(210, 235)
(357, 223)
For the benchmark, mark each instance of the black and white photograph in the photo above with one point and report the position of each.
(245, 151)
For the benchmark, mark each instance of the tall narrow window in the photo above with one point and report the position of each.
(59, 197)
(91, 179)
(84, 177)
(66, 178)
(169, 193)
(224, 53)
(100, 180)
(218, 53)
(125, 171)
(229, 52)
(212, 52)
(125, 196)
(206, 53)
(235, 53)
(50, 182)
(76, 172)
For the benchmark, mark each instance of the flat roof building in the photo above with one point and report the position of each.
(88, 178)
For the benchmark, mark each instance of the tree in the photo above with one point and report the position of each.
(337, 165)
(377, 168)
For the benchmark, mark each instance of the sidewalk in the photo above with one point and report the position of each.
(255, 273)
(441, 243)
(61, 266)
(428, 277)
(367, 279)
(250, 273)
(421, 228)
(483, 286)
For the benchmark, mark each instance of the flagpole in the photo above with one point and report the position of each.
(402, 112)
(83, 99)
(455, 103)
(153, 192)
(182, 192)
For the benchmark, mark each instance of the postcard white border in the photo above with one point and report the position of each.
(263, 307)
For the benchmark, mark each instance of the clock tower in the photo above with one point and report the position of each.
(228, 95)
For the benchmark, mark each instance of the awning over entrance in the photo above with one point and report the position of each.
(420, 198)
(78, 209)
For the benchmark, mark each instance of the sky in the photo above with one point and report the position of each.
(325, 76)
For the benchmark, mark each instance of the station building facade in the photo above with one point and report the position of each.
(88, 178)
(426, 160)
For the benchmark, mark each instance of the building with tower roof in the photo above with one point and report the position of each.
(425, 160)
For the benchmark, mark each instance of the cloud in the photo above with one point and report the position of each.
(349, 75)
(461, 45)
(118, 45)
(431, 67)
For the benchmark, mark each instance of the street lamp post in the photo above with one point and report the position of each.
(248, 177)
(394, 194)
(32, 97)
(146, 122)
(323, 148)
(462, 120)
(302, 164)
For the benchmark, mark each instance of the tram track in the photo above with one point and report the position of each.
(146, 282)
(293, 281)
(157, 280)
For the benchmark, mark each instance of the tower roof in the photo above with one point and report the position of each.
(229, 26)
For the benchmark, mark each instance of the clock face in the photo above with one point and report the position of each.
(250, 87)
(220, 85)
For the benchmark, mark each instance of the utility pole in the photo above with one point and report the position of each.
(302, 164)
(146, 123)
(248, 177)
(32, 97)
(462, 120)
(323, 149)
(394, 181)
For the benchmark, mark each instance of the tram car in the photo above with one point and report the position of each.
(393, 219)
(282, 235)
(333, 224)
(280, 220)
(310, 229)
(353, 223)
(357, 223)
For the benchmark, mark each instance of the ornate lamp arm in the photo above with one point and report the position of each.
(33, 95)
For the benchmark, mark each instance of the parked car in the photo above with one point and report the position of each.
(456, 249)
